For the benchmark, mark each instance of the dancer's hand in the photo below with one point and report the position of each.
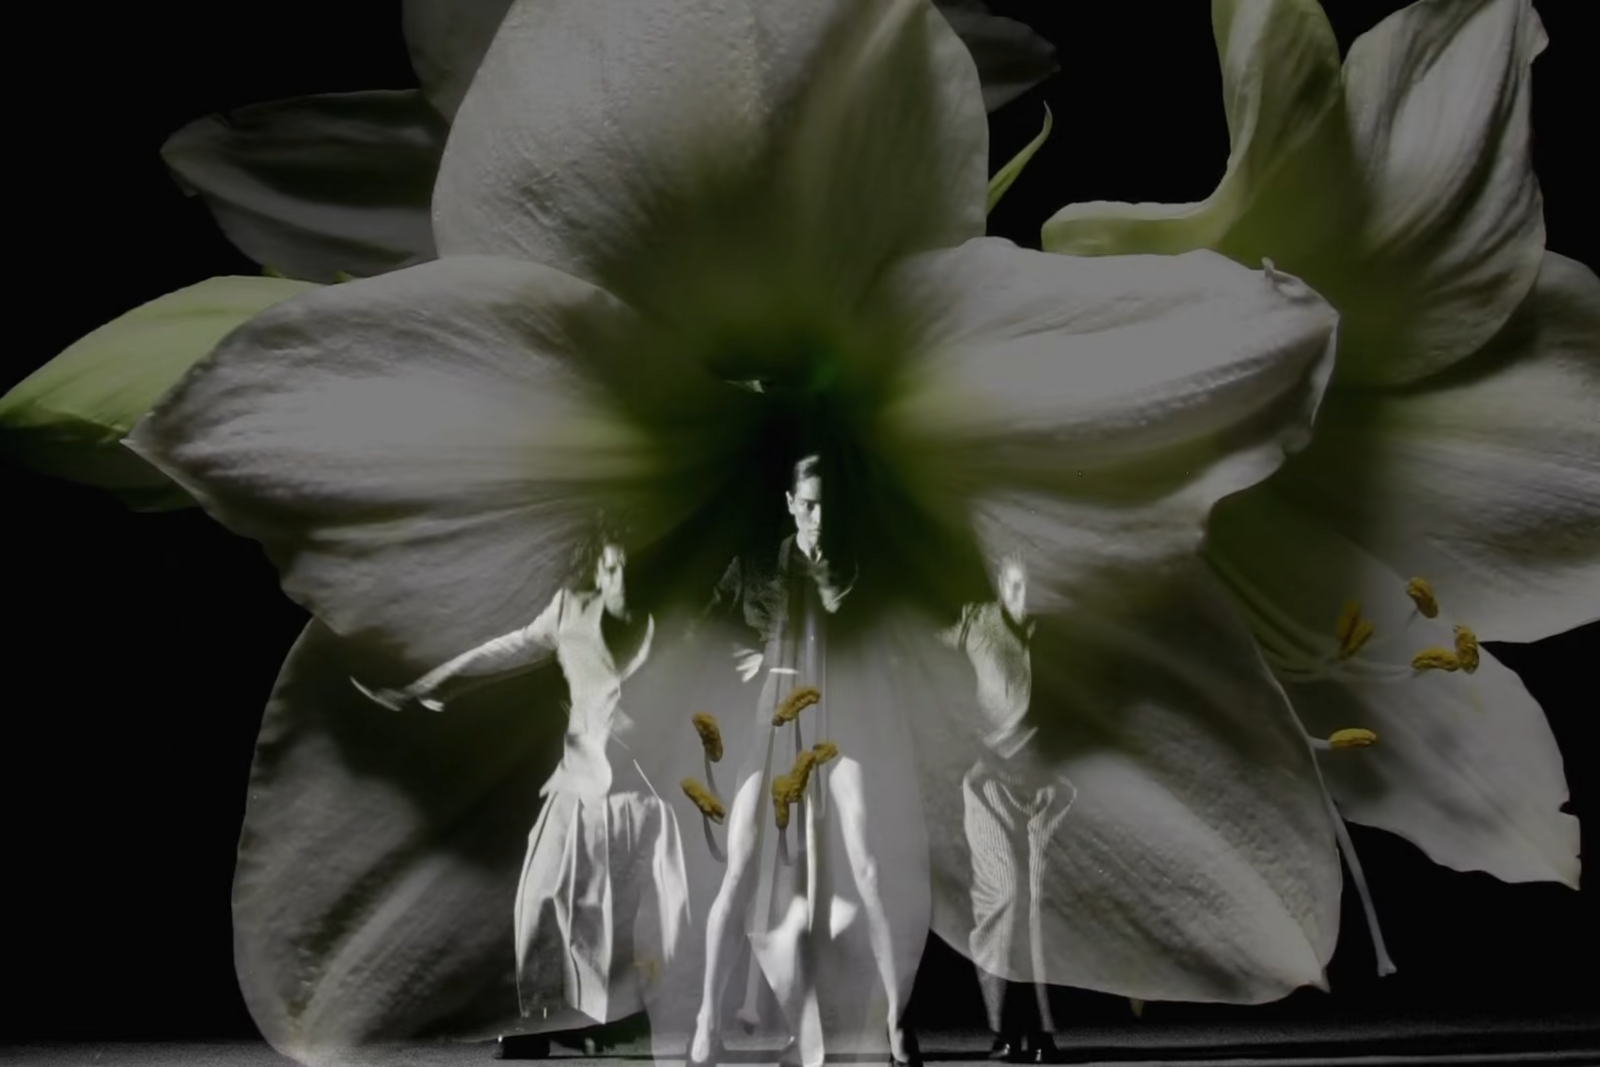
(748, 663)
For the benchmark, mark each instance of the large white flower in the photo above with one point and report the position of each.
(640, 204)
(1459, 443)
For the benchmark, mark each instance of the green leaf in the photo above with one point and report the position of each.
(69, 417)
(1012, 170)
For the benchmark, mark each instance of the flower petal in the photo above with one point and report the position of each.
(447, 40)
(591, 120)
(1281, 91)
(1198, 860)
(1010, 57)
(69, 417)
(1127, 394)
(1438, 97)
(1485, 479)
(1465, 764)
(318, 185)
(418, 452)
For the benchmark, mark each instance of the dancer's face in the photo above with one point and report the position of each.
(608, 573)
(1014, 590)
(805, 504)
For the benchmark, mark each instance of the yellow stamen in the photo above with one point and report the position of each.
(825, 751)
(710, 735)
(797, 701)
(781, 786)
(1421, 593)
(709, 805)
(1353, 631)
(1137, 1006)
(800, 775)
(1353, 737)
(1435, 659)
(1467, 649)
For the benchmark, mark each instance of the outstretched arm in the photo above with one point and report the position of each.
(519, 648)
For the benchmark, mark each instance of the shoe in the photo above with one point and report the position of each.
(913, 1053)
(1005, 1049)
(1042, 1048)
(522, 1047)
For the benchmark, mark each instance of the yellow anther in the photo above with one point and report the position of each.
(709, 805)
(800, 775)
(1421, 593)
(1353, 631)
(795, 703)
(1354, 737)
(781, 787)
(649, 968)
(825, 751)
(710, 735)
(1137, 1006)
(1435, 659)
(1467, 649)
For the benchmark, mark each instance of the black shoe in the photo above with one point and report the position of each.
(913, 1052)
(522, 1047)
(1042, 1048)
(1004, 1049)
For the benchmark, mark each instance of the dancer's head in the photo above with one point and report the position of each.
(1012, 580)
(804, 497)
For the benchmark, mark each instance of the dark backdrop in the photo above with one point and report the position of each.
(144, 646)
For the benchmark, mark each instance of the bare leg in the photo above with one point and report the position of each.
(733, 900)
(845, 786)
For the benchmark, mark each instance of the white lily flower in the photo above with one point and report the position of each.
(1452, 489)
(640, 204)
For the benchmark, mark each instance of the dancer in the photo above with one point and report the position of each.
(603, 885)
(1011, 811)
(785, 602)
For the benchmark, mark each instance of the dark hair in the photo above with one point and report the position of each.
(586, 557)
(807, 467)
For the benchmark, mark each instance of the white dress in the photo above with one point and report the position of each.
(602, 906)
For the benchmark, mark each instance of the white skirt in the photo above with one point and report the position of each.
(603, 903)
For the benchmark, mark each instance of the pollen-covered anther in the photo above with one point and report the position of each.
(709, 805)
(781, 787)
(1467, 649)
(1435, 659)
(710, 733)
(795, 703)
(1421, 594)
(1353, 631)
(799, 776)
(825, 751)
(1351, 737)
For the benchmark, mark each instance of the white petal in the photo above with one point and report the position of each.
(1197, 861)
(1120, 397)
(1465, 764)
(1281, 93)
(591, 120)
(1438, 97)
(418, 452)
(1485, 479)
(447, 40)
(318, 185)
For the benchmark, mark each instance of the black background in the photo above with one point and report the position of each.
(144, 646)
